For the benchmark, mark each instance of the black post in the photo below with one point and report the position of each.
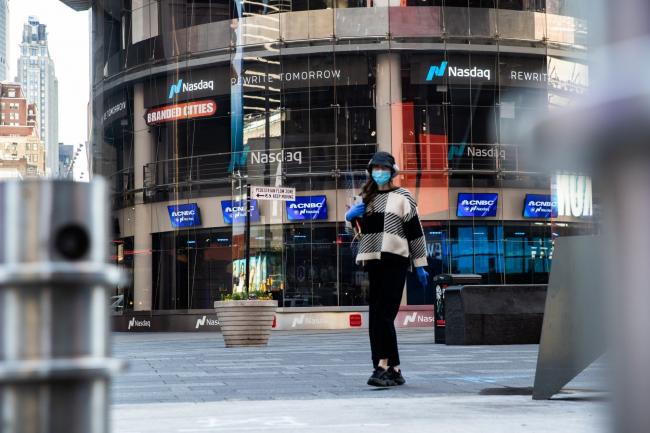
(248, 236)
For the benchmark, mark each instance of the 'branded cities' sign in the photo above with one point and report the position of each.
(477, 205)
(235, 212)
(307, 208)
(189, 110)
(184, 215)
(539, 206)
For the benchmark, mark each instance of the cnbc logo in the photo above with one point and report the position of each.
(438, 71)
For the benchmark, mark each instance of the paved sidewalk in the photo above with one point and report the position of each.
(316, 381)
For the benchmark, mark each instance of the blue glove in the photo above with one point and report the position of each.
(423, 276)
(355, 211)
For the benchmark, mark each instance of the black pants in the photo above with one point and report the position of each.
(386, 287)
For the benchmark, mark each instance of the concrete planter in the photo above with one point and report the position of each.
(246, 323)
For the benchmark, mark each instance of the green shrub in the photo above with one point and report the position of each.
(243, 296)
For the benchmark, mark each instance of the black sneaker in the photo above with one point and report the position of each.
(396, 376)
(381, 377)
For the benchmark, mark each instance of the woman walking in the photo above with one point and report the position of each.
(392, 240)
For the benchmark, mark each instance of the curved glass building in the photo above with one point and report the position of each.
(193, 100)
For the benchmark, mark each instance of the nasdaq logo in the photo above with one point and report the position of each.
(455, 151)
(437, 71)
(309, 322)
(417, 320)
(203, 321)
(134, 323)
(410, 318)
(175, 89)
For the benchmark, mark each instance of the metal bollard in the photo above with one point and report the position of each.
(54, 316)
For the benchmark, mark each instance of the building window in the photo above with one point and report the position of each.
(144, 24)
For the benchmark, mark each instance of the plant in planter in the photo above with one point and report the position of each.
(246, 319)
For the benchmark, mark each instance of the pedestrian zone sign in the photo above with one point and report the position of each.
(273, 193)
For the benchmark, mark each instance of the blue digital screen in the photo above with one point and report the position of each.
(540, 206)
(477, 205)
(236, 211)
(184, 215)
(312, 207)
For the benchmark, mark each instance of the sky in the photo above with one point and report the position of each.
(68, 37)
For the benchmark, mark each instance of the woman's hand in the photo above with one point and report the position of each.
(355, 212)
(423, 276)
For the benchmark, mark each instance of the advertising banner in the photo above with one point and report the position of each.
(187, 85)
(515, 71)
(147, 322)
(312, 207)
(573, 194)
(317, 71)
(115, 107)
(477, 205)
(523, 71)
(454, 69)
(235, 212)
(540, 206)
(259, 267)
(184, 215)
(171, 113)
(214, 81)
(415, 319)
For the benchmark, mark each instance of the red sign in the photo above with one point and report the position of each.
(355, 320)
(189, 110)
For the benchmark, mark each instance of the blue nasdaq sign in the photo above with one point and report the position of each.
(235, 212)
(307, 208)
(477, 205)
(540, 206)
(184, 215)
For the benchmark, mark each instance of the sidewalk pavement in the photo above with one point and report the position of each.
(306, 381)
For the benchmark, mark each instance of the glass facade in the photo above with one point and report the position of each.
(195, 100)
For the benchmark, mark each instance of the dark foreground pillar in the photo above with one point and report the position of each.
(54, 336)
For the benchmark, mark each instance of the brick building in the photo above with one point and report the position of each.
(22, 152)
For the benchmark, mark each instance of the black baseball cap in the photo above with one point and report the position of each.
(382, 159)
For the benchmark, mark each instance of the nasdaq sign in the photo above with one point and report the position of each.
(454, 71)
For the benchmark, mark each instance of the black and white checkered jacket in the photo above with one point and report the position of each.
(391, 229)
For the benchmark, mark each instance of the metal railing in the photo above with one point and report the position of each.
(214, 168)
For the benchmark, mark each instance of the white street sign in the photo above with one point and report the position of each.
(273, 193)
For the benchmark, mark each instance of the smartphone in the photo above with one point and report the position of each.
(357, 199)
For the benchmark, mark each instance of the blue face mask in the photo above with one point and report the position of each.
(381, 177)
